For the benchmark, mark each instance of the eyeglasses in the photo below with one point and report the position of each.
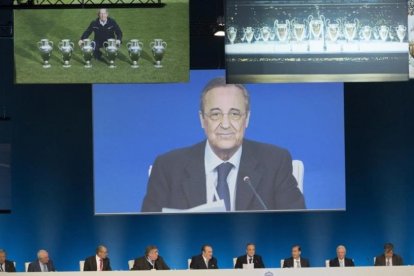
(234, 115)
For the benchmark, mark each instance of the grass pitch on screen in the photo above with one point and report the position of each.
(169, 23)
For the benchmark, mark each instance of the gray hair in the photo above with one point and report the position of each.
(221, 82)
(339, 247)
(40, 252)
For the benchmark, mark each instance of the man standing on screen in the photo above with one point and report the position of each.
(244, 174)
(104, 27)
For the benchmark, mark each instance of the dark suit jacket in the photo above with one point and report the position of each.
(289, 262)
(197, 262)
(9, 266)
(335, 262)
(257, 261)
(90, 264)
(35, 266)
(396, 260)
(178, 179)
(142, 264)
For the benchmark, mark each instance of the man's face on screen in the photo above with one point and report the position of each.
(225, 119)
(103, 15)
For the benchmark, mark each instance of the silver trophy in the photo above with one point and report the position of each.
(248, 34)
(401, 29)
(299, 31)
(45, 47)
(333, 31)
(134, 47)
(231, 34)
(87, 48)
(265, 33)
(282, 30)
(158, 47)
(316, 26)
(350, 30)
(111, 49)
(384, 32)
(365, 33)
(66, 48)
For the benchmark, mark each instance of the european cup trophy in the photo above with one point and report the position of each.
(282, 30)
(384, 32)
(134, 47)
(87, 48)
(158, 47)
(401, 29)
(231, 34)
(45, 47)
(66, 49)
(111, 49)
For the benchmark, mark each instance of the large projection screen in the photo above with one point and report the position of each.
(135, 123)
(316, 40)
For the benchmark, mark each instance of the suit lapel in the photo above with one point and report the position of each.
(248, 167)
(194, 182)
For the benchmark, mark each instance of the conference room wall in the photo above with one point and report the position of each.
(52, 192)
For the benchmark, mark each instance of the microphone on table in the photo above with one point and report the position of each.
(246, 180)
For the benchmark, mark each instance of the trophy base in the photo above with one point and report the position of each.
(66, 65)
(88, 66)
(134, 66)
(47, 65)
(112, 66)
(158, 66)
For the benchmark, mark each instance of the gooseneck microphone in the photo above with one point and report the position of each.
(246, 180)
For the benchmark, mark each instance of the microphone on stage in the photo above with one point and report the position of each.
(246, 180)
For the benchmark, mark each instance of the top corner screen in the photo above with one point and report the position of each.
(316, 41)
(119, 45)
(158, 149)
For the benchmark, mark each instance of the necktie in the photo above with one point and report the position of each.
(223, 171)
(45, 268)
(100, 264)
(388, 262)
(297, 264)
(1, 267)
(250, 260)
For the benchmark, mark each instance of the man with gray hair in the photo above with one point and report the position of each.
(42, 264)
(226, 167)
(340, 260)
(6, 265)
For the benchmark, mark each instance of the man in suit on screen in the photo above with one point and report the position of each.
(340, 260)
(389, 258)
(98, 262)
(250, 258)
(6, 265)
(42, 264)
(296, 261)
(246, 175)
(150, 261)
(205, 260)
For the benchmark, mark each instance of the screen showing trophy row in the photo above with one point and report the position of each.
(208, 146)
(134, 45)
(318, 40)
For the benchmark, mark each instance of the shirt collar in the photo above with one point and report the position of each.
(212, 160)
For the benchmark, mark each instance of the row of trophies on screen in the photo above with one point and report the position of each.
(111, 48)
(315, 29)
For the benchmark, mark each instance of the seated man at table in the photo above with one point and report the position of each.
(98, 262)
(340, 259)
(42, 264)
(296, 261)
(250, 258)
(6, 265)
(150, 261)
(389, 258)
(205, 260)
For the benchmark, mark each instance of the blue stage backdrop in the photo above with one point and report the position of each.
(132, 124)
(53, 206)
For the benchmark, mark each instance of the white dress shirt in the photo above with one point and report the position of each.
(211, 161)
(296, 263)
(341, 262)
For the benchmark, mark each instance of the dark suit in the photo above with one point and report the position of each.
(91, 265)
(8, 266)
(396, 260)
(257, 261)
(143, 264)
(289, 262)
(197, 262)
(35, 266)
(178, 179)
(335, 262)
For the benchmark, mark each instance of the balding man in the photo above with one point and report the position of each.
(340, 260)
(42, 264)
(205, 260)
(6, 265)
(99, 262)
